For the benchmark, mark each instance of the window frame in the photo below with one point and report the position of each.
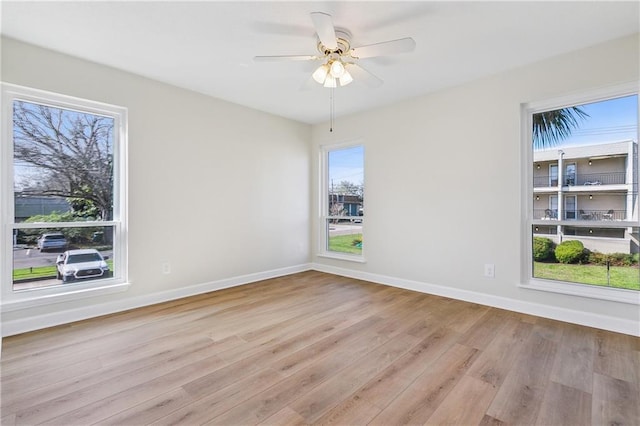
(323, 241)
(21, 299)
(527, 281)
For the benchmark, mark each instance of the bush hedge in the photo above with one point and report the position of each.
(542, 248)
(615, 259)
(570, 252)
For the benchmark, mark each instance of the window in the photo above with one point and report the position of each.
(342, 216)
(64, 189)
(582, 230)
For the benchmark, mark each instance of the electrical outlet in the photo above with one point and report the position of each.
(489, 270)
(166, 268)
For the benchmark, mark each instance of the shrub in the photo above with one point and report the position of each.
(615, 259)
(542, 248)
(570, 251)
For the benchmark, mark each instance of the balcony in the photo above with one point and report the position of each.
(586, 215)
(585, 179)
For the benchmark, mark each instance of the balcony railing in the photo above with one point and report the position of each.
(612, 178)
(599, 215)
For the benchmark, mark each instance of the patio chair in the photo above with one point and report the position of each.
(608, 215)
(584, 216)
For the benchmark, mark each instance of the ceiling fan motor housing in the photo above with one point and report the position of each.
(343, 38)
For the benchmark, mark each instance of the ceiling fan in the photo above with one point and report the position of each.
(340, 66)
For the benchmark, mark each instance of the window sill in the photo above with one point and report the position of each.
(585, 290)
(32, 299)
(347, 257)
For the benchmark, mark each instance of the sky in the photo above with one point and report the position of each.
(347, 164)
(609, 121)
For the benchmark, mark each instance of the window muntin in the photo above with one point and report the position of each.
(343, 201)
(66, 179)
(596, 203)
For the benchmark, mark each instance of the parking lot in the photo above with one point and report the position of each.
(30, 257)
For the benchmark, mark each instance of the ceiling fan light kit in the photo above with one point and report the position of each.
(339, 58)
(330, 73)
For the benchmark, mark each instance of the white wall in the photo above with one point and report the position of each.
(443, 185)
(194, 160)
(218, 190)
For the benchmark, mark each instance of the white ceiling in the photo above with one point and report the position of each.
(209, 47)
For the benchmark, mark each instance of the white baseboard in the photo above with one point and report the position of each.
(604, 322)
(552, 312)
(24, 325)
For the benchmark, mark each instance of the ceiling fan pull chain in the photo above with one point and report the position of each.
(332, 110)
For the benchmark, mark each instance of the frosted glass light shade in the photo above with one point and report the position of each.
(320, 74)
(330, 82)
(346, 78)
(337, 69)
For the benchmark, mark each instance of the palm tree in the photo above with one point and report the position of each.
(551, 127)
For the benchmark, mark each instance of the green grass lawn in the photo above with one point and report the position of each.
(344, 244)
(620, 276)
(37, 272)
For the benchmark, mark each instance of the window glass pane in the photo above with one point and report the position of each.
(63, 164)
(344, 236)
(86, 254)
(602, 259)
(346, 182)
(345, 200)
(585, 172)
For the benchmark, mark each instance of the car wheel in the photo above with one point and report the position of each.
(58, 275)
(67, 279)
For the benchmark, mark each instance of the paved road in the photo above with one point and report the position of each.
(27, 257)
(345, 228)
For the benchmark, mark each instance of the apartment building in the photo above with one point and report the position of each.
(591, 191)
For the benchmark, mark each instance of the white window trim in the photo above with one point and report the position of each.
(526, 280)
(323, 203)
(11, 300)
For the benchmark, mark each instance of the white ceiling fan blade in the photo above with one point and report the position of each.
(360, 74)
(385, 48)
(324, 27)
(278, 58)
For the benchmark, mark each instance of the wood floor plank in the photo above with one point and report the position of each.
(77, 406)
(520, 395)
(287, 417)
(615, 401)
(385, 386)
(565, 405)
(122, 374)
(614, 357)
(423, 396)
(351, 411)
(329, 394)
(150, 410)
(466, 404)
(219, 401)
(316, 348)
(494, 363)
(573, 365)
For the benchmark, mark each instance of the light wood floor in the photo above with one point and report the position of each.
(314, 348)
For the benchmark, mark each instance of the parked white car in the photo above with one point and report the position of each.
(55, 241)
(81, 265)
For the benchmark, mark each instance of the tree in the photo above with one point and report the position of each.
(70, 152)
(346, 187)
(551, 127)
